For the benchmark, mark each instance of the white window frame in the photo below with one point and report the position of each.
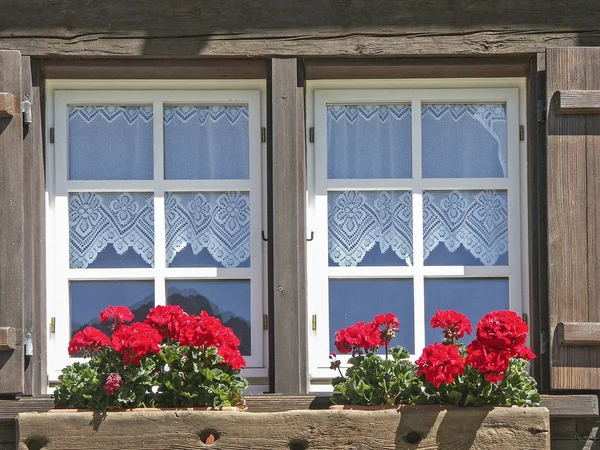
(60, 94)
(413, 92)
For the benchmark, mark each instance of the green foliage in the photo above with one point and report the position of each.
(372, 380)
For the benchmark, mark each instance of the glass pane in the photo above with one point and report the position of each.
(206, 142)
(89, 298)
(229, 300)
(370, 228)
(207, 229)
(471, 225)
(369, 141)
(472, 297)
(111, 229)
(110, 143)
(360, 300)
(464, 141)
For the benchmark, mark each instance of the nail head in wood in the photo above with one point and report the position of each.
(7, 105)
(577, 102)
(8, 338)
(578, 334)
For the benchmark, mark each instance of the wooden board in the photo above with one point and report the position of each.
(113, 28)
(287, 241)
(577, 102)
(433, 427)
(573, 183)
(578, 334)
(11, 227)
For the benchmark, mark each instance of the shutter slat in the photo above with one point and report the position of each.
(11, 225)
(573, 181)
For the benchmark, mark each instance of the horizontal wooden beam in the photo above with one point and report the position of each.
(344, 68)
(154, 69)
(578, 334)
(8, 338)
(577, 102)
(7, 104)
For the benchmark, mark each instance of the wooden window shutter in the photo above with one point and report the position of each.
(12, 353)
(573, 183)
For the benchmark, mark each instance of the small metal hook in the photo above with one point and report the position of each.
(312, 236)
(262, 233)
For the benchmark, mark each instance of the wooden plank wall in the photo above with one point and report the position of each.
(255, 28)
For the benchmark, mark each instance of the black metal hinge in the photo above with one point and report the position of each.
(541, 110)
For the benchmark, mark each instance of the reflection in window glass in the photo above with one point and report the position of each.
(110, 142)
(369, 141)
(464, 140)
(354, 300)
(206, 142)
(229, 300)
(473, 297)
(89, 298)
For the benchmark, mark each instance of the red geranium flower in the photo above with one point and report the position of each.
(118, 315)
(136, 341)
(90, 340)
(525, 353)
(454, 324)
(113, 382)
(357, 337)
(490, 362)
(440, 363)
(502, 330)
(166, 319)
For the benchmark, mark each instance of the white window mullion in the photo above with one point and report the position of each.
(417, 204)
(159, 207)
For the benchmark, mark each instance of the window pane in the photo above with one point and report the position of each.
(352, 301)
(206, 229)
(369, 141)
(371, 228)
(464, 141)
(471, 225)
(111, 229)
(89, 298)
(110, 143)
(206, 142)
(229, 300)
(472, 297)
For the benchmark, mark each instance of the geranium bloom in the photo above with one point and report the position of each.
(113, 382)
(525, 353)
(136, 341)
(454, 324)
(359, 336)
(490, 362)
(440, 363)
(502, 330)
(89, 341)
(118, 315)
(166, 319)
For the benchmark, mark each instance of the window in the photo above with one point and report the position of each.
(416, 205)
(155, 197)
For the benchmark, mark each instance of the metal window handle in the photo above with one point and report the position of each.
(262, 233)
(312, 236)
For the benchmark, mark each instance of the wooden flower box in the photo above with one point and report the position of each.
(410, 427)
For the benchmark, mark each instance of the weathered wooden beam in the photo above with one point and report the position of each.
(8, 338)
(578, 333)
(444, 428)
(7, 104)
(577, 102)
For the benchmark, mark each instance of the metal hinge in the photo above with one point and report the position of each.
(314, 322)
(52, 135)
(525, 318)
(545, 342)
(26, 108)
(263, 134)
(52, 324)
(521, 133)
(541, 110)
(311, 134)
(265, 321)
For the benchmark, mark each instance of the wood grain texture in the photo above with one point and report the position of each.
(578, 333)
(439, 428)
(287, 240)
(158, 68)
(573, 223)
(292, 28)
(11, 226)
(577, 102)
(8, 338)
(7, 104)
(34, 188)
